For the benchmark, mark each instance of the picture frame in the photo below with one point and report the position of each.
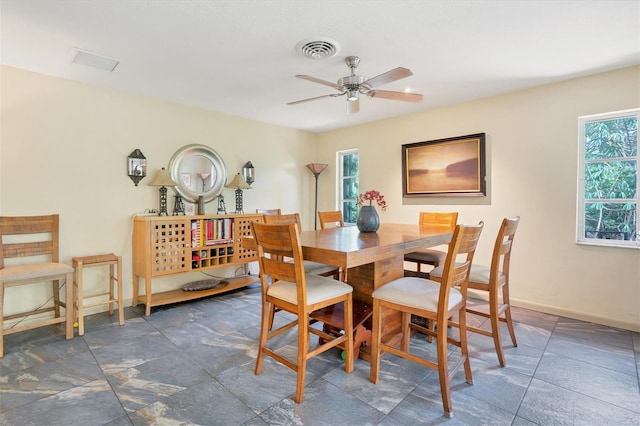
(186, 179)
(189, 209)
(451, 167)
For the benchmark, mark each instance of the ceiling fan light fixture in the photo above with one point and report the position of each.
(353, 84)
(318, 47)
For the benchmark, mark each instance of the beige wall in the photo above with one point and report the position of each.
(531, 171)
(63, 148)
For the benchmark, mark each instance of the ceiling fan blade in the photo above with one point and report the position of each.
(353, 106)
(317, 80)
(388, 77)
(398, 96)
(333, 95)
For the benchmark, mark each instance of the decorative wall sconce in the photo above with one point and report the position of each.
(163, 179)
(136, 166)
(238, 183)
(316, 169)
(248, 172)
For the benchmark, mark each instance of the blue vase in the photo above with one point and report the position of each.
(368, 219)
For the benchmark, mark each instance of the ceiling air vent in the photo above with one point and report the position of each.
(318, 47)
(93, 60)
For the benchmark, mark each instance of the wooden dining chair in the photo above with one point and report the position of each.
(310, 267)
(438, 302)
(36, 238)
(465, 253)
(493, 281)
(285, 286)
(444, 221)
(269, 212)
(330, 219)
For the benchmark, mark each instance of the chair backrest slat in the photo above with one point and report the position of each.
(275, 242)
(333, 218)
(456, 273)
(43, 240)
(445, 220)
(501, 257)
(283, 219)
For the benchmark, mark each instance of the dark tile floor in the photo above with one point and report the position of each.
(193, 364)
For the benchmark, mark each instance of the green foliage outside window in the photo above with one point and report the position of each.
(350, 168)
(611, 179)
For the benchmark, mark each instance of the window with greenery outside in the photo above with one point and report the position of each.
(349, 176)
(610, 179)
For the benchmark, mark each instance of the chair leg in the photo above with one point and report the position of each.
(431, 325)
(494, 319)
(374, 371)
(78, 299)
(112, 280)
(303, 350)
(119, 278)
(507, 314)
(406, 334)
(443, 370)
(464, 350)
(68, 309)
(265, 326)
(55, 284)
(272, 314)
(509, 321)
(349, 337)
(1, 319)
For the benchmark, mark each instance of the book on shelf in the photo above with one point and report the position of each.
(212, 231)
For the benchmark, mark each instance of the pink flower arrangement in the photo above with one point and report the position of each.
(372, 196)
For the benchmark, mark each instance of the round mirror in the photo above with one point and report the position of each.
(198, 171)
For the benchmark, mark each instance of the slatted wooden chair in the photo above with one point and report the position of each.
(286, 287)
(493, 281)
(35, 237)
(438, 302)
(309, 266)
(446, 221)
(330, 219)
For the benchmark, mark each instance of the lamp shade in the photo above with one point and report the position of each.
(238, 182)
(317, 168)
(162, 178)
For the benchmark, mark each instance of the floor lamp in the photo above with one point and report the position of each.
(316, 169)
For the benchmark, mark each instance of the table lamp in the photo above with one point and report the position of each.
(238, 183)
(163, 179)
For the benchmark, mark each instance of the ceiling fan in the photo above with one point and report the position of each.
(353, 85)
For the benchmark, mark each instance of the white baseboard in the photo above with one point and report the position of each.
(555, 310)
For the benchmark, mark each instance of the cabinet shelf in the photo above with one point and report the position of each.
(169, 245)
(179, 295)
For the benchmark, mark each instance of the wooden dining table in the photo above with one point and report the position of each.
(368, 260)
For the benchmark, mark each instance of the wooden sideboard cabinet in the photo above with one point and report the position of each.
(169, 245)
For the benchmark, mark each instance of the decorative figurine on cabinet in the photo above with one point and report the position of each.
(222, 209)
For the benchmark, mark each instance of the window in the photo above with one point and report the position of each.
(348, 182)
(608, 179)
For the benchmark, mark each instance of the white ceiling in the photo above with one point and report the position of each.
(238, 57)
